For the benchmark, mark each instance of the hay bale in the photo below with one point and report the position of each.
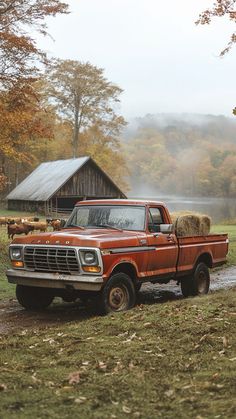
(205, 225)
(188, 223)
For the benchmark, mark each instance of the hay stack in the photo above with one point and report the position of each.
(189, 223)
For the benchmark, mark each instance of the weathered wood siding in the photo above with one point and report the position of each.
(29, 206)
(90, 182)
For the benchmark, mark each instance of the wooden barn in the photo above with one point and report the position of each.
(56, 186)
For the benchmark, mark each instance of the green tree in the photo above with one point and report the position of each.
(85, 97)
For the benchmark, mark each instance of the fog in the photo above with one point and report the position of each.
(165, 120)
(181, 159)
(219, 209)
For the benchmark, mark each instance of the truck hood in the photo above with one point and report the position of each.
(101, 238)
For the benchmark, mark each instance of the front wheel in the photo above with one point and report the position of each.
(118, 294)
(198, 283)
(33, 298)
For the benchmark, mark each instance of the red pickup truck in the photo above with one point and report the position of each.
(106, 251)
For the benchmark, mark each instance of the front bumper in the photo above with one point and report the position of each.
(55, 280)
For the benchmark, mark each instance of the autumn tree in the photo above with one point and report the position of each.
(107, 152)
(25, 124)
(84, 97)
(220, 8)
(19, 54)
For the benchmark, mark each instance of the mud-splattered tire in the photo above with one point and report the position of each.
(33, 298)
(198, 283)
(118, 294)
(137, 286)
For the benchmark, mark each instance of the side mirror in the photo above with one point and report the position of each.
(166, 228)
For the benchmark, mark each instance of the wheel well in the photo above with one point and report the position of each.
(205, 258)
(126, 268)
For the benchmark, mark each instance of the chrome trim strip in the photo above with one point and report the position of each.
(131, 249)
(202, 244)
(140, 249)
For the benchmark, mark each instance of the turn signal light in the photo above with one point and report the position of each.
(92, 269)
(17, 264)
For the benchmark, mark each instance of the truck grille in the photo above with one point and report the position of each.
(51, 259)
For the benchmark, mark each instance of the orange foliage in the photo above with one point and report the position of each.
(220, 8)
(21, 123)
(18, 50)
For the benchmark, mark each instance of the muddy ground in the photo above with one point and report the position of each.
(13, 318)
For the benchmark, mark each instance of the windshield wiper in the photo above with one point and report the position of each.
(108, 226)
(74, 225)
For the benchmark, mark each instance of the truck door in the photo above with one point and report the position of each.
(162, 258)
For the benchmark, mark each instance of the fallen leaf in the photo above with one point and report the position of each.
(131, 365)
(118, 367)
(102, 365)
(126, 409)
(74, 377)
(225, 341)
(80, 400)
(169, 393)
(35, 379)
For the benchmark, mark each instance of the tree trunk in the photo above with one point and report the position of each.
(76, 133)
(16, 174)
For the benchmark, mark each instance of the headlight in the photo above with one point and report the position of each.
(88, 257)
(16, 253)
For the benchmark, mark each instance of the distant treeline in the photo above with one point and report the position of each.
(183, 154)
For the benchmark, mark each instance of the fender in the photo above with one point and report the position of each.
(121, 261)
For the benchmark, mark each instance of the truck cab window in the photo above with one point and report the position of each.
(154, 220)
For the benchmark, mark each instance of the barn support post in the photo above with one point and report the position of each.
(56, 208)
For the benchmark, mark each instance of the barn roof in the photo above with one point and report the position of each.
(46, 179)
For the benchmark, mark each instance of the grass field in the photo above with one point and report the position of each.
(172, 360)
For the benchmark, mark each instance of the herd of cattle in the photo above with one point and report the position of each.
(18, 225)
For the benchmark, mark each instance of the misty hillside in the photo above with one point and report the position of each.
(187, 154)
(215, 126)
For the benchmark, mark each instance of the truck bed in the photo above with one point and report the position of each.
(214, 246)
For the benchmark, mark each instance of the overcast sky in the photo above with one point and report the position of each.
(153, 50)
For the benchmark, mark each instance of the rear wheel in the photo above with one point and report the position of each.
(118, 294)
(198, 283)
(34, 298)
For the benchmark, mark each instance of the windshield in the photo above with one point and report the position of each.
(104, 216)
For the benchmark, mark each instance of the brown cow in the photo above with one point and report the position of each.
(13, 229)
(56, 225)
(3, 221)
(16, 220)
(37, 225)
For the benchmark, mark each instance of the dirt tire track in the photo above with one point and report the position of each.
(14, 318)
